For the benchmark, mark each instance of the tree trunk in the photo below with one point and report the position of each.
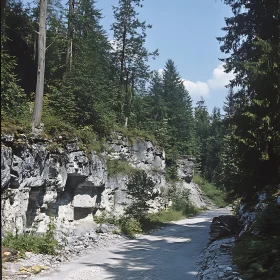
(69, 56)
(123, 53)
(127, 100)
(37, 113)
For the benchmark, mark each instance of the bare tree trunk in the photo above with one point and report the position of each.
(69, 56)
(127, 92)
(35, 47)
(37, 113)
(123, 53)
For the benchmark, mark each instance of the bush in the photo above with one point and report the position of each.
(129, 226)
(258, 257)
(181, 202)
(216, 195)
(116, 166)
(141, 189)
(33, 242)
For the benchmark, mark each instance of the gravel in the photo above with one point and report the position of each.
(217, 261)
(78, 243)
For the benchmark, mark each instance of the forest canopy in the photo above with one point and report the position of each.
(92, 85)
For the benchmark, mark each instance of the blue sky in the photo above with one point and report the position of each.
(185, 31)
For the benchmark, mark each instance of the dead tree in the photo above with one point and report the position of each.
(38, 106)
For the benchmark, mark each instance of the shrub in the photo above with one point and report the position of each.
(216, 195)
(129, 226)
(33, 242)
(258, 257)
(181, 202)
(141, 189)
(116, 166)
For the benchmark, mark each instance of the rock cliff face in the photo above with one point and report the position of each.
(42, 178)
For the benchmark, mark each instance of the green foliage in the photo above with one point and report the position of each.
(257, 252)
(33, 242)
(130, 226)
(117, 166)
(133, 133)
(101, 219)
(12, 95)
(141, 189)
(258, 257)
(181, 202)
(251, 156)
(216, 195)
(171, 174)
(267, 222)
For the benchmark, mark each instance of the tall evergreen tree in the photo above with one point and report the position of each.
(202, 129)
(178, 108)
(253, 41)
(130, 53)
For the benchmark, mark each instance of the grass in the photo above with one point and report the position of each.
(116, 166)
(130, 226)
(216, 195)
(44, 243)
(131, 134)
(156, 220)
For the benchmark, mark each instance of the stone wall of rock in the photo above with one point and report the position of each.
(42, 178)
(185, 174)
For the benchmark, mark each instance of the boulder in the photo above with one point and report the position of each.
(185, 169)
(223, 226)
(8, 254)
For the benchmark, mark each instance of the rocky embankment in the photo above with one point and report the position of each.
(226, 230)
(79, 243)
(59, 179)
(217, 261)
(42, 178)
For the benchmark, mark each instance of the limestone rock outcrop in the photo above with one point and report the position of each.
(42, 178)
(223, 226)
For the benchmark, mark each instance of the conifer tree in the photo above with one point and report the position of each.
(178, 109)
(253, 41)
(131, 56)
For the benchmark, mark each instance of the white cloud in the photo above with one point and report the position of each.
(218, 81)
(196, 89)
(220, 78)
(160, 71)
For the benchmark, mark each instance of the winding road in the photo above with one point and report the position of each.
(171, 253)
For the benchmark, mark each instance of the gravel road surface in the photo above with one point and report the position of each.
(171, 253)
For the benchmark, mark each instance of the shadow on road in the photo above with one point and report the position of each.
(169, 253)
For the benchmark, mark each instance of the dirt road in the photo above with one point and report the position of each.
(171, 253)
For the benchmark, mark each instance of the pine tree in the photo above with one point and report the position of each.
(178, 107)
(131, 56)
(202, 130)
(253, 39)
